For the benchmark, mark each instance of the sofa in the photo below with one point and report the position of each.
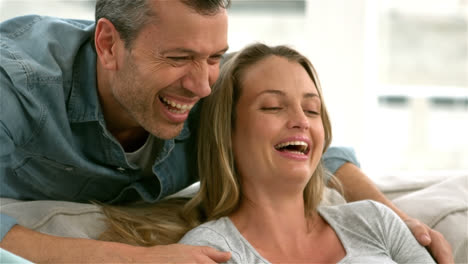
(440, 202)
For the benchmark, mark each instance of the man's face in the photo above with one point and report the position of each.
(171, 65)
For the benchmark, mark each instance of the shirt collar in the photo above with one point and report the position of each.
(83, 104)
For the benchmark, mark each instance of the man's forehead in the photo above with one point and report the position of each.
(161, 7)
(184, 31)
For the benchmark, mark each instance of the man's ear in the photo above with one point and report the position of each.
(107, 41)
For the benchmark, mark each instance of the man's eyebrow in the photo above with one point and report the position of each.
(193, 52)
(223, 50)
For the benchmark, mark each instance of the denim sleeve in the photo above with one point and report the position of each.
(15, 99)
(6, 223)
(335, 157)
(6, 141)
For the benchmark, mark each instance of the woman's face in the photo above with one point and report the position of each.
(278, 136)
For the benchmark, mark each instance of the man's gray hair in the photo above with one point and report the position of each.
(129, 16)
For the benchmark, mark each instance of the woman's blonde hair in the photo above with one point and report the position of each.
(220, 190)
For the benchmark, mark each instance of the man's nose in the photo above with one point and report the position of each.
(199, 79)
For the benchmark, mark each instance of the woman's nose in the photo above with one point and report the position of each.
(298, 119)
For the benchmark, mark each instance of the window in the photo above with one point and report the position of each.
(421, 60)
(394, 73)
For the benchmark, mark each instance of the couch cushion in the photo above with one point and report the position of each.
(443, 207)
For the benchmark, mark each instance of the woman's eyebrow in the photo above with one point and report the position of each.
(282, 94)
(311, 95)
(272, 91)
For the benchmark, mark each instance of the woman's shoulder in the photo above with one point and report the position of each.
(369, 226)
(361, 214)
(218, 234)
(224, 236)
(209, 231)
(364, 207)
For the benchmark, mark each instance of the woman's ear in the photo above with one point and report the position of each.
(107, 41)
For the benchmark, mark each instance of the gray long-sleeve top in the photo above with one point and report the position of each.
(369, 231)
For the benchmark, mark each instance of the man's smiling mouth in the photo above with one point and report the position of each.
(174, 107)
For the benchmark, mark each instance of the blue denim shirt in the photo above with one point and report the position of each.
(53, 136)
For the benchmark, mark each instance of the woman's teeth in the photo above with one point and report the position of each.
(299, 147)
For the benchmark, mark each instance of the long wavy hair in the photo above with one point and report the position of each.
(220, 191)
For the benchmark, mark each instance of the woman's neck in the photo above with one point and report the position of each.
(279, 230)
(270, 214)
(266, 225)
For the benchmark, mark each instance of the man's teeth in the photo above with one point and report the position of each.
(177, 108)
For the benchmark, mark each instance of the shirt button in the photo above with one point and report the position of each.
(120, 169)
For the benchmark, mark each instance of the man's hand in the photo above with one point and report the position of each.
(432, 240)
(42, 248)
(179, 253)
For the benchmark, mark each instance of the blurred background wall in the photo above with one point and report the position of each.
(394, 72)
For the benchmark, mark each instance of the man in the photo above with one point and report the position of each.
(109, 120)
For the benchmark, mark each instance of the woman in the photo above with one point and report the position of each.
(261, 179)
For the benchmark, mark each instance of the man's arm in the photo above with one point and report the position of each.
(42, 248)
(357, 186)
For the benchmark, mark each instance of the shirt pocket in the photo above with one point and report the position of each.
(57, 181)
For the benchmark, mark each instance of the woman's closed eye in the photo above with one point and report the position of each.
(312, 112)
(271, 108)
